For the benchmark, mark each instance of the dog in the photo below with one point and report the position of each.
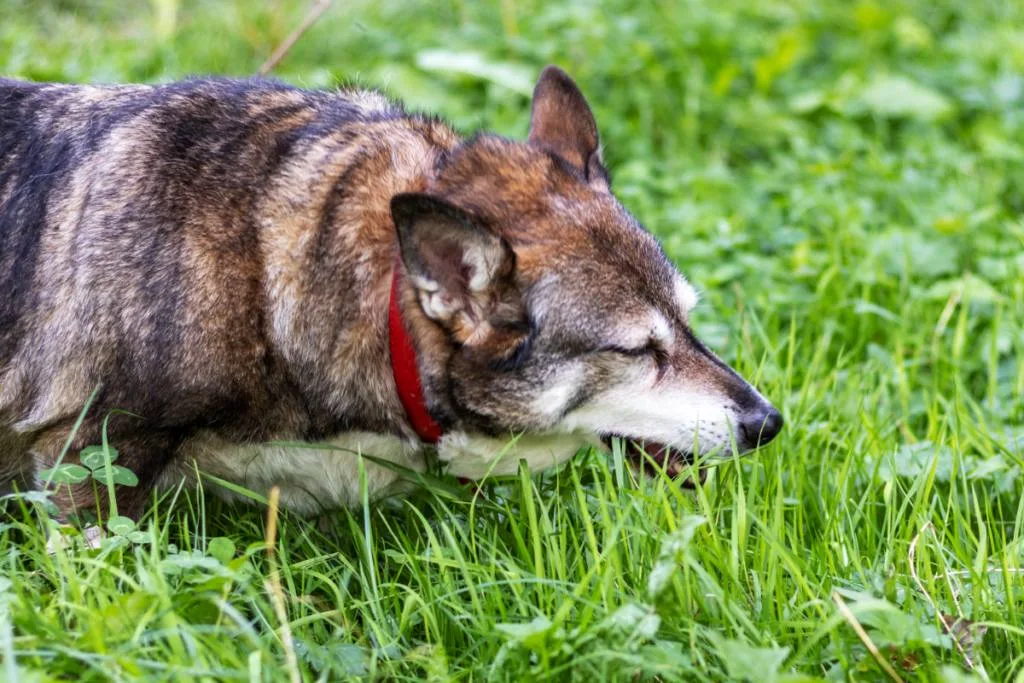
(203, 273)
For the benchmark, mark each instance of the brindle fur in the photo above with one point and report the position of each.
(216, 255)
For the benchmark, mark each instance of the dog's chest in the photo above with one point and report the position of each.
(311, 478)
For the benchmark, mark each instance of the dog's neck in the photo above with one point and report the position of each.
(339, 246)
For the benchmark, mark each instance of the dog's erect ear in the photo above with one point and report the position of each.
(458, 267)
(561, 121)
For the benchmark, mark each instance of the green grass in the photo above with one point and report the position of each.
(843, 180)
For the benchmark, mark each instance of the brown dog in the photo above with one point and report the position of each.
(218, 257)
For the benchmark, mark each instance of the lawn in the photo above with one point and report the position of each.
(844, 181)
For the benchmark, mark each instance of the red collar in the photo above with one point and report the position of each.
(405, 369)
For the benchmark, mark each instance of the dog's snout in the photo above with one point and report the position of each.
(759, 426)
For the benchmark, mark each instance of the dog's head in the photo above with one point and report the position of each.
(544, 308)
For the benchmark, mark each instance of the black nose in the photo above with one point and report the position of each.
(760, 426)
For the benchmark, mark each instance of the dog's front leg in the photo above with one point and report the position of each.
(143, 453)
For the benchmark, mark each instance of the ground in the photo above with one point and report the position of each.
(844, 181)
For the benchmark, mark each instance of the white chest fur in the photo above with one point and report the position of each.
(311, 478)
(325, 476)
(474, 456)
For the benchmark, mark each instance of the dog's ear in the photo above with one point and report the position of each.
(462, 271)
(561, 122)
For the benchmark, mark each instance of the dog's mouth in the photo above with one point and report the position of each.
(648, 457)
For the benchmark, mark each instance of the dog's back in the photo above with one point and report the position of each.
(113, 200)
(152, 148)
(133, 208)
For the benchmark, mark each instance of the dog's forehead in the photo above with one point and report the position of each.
(613, 292)
(633, 260)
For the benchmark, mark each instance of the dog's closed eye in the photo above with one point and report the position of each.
(633, 352)
(653, 347)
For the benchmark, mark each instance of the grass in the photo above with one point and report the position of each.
(844, 180)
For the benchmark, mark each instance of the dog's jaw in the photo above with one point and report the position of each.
(476, 456)
(650, 457)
